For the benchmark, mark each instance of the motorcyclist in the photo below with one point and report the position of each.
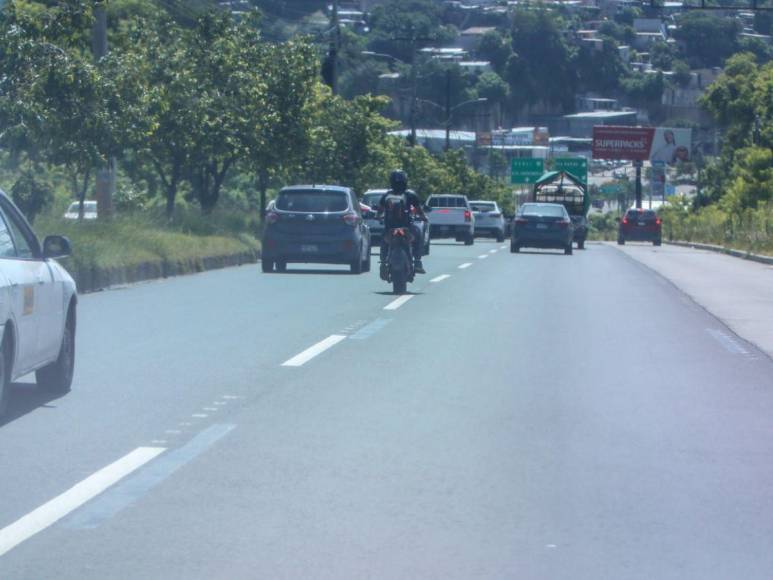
(398, 183)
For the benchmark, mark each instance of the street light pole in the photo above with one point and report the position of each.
(448, 109)
(105, 178)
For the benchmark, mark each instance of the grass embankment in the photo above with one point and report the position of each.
(749, 231)
(126, 242)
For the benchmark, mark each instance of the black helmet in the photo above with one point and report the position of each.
(398, 181)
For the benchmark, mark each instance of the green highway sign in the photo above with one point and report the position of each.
(526, 170)
(612, 188)
(577, 166)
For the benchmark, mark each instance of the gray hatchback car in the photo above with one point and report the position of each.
(316, 224)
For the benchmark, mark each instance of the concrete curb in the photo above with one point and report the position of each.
(723, 250)
(95, 279)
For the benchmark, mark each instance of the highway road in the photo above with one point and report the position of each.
(531, 416)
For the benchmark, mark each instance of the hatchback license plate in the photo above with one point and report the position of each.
(542, 226)
(642, 223)
(309, 249)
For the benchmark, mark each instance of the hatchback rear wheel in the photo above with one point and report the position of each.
(568, 249)
(281, 266)
(267, 265)
(356, 266)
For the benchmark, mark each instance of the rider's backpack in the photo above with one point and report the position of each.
(395, 210)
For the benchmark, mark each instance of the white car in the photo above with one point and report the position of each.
(37, 306)
(89, 210)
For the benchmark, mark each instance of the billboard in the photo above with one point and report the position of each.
(661, 144)
(671, 145)
(521, 136)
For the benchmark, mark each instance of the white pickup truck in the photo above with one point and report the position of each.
(450, 216)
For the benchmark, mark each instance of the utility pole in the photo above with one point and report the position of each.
(638, 165)
(448, 109)
(105, 180)
(335, 45)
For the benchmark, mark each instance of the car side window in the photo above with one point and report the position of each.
(23, 247)
(7, 249)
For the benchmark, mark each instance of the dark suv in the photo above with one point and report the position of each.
(318, 224)
(640, 225)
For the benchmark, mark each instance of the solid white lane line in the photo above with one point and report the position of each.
(312, 351)
(482, 256)
(441, 278)
(39, 519)
(465, 265)
(395, 304)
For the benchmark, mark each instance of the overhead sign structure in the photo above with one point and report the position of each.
(577, 166)
(526, 170)
(661, 144)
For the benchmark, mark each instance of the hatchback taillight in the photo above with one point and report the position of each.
(658, 221)
(495, 214)
(467, 215)
(351, 219)
(272, 217)
(521, 221)
(563, 224)
(625, 220)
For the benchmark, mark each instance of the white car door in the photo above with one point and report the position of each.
(22, 276)
(44, 302)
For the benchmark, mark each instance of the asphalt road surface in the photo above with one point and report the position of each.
(530, 416)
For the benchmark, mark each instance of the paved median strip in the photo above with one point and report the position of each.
(441, 278)
(49, 513)
(395, 304)
(315, 350)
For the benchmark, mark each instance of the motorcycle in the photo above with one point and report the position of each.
(398, 260)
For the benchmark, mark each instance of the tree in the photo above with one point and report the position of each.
(682, 74)
(290, 73)
(544, 56)
(662, 55)
(707, 39)
(495, 48)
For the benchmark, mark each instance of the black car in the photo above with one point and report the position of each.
(316, 224)
(542, 225)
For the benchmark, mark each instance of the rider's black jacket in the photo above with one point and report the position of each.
(411, 200)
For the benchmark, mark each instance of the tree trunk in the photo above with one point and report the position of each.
(82, 193)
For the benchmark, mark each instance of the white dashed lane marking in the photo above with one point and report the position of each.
(314, 350)
(440, 278)
(395, 304)
(465, 265)
(51, 512)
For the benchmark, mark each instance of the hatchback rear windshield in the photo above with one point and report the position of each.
(482, 206)
(546, 210)
(646, 214)
(312, 201)
(447, 201)
(372, 199)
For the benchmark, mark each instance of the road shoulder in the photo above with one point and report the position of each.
(738, 292)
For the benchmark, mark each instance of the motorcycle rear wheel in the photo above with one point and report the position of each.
(399, 286)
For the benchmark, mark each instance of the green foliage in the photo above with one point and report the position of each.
(682, 74)
(750, 229)
(708, 39)
(31, 194)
